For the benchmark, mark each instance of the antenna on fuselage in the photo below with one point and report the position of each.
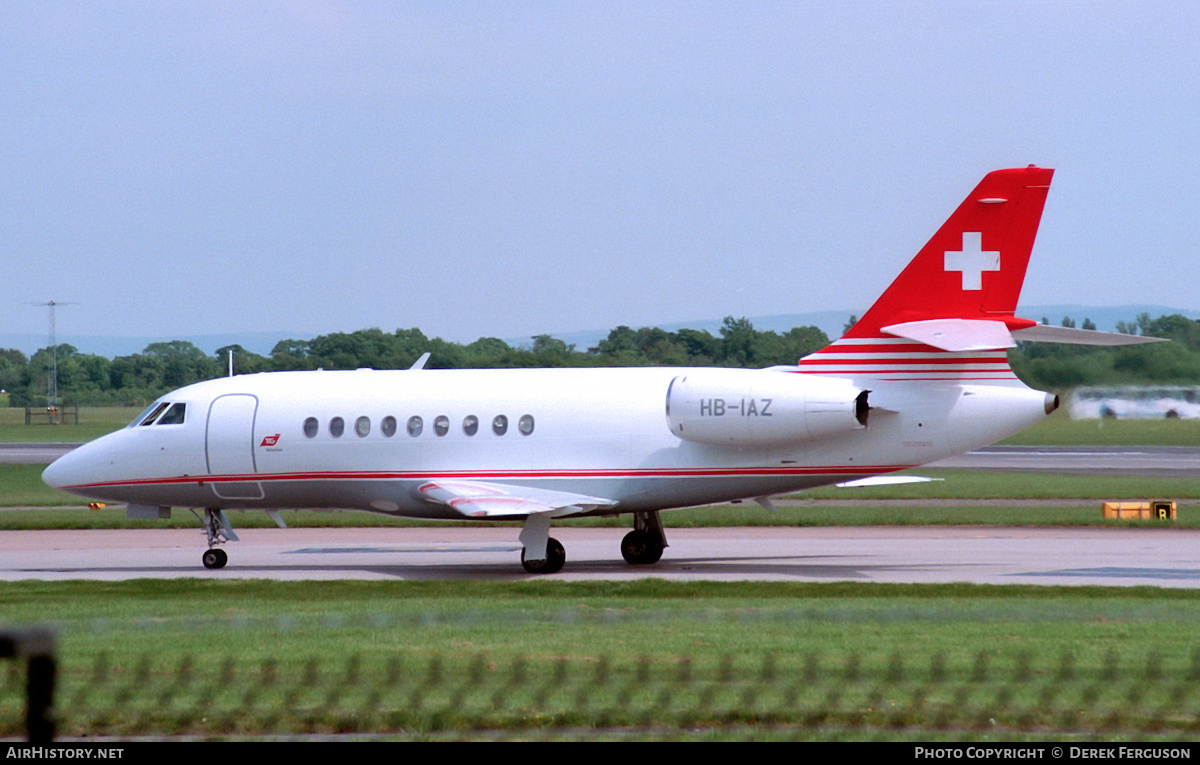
(420, 363)
(231, 362)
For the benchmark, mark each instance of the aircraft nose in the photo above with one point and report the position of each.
(75, 468)
(60, 472)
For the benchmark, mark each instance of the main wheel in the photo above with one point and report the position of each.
(556, 556)
(214, 558)
(641, 548)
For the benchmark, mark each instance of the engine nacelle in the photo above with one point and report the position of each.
(740, 407)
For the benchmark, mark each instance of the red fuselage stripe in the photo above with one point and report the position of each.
(505, 475)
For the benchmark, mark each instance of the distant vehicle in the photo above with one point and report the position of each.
(1130, 401)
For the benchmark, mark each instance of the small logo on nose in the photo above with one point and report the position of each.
(270, 440)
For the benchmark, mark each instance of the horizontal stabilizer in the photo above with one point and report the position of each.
(1043, 333)
(478, 499)
(959, 335)
(956, 334)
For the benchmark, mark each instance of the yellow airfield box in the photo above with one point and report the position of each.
(1151, 510)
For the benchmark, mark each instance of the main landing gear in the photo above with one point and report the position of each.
(217, 527)
(543, 554)
(644, 545)
(556, 556)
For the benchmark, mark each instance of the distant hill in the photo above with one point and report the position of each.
(830, 322)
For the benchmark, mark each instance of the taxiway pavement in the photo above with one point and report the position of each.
(1167, 557)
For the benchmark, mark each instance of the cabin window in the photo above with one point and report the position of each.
(174, 416)
(362, 426)
(415, 426)
(337, 426)
(470, 424)
(310, 427)
(525, 424)
(154, 413)
(499, 424)
(388, 426)
(441, 425)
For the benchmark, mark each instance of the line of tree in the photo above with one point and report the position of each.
(89, 379)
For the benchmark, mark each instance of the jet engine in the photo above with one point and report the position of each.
(749, 408)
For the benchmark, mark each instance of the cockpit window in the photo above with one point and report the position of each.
(174, 415)
(138, 420)
(155, 411)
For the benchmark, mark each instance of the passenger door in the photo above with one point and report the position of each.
(229, 444)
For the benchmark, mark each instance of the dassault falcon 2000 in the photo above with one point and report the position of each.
(921, 376)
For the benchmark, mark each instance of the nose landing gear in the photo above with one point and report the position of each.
(218, 530)
(214, 558)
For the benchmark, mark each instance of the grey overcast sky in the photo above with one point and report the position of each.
(508, 169)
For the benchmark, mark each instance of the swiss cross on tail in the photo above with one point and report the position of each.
(949, 316)
(972, 260)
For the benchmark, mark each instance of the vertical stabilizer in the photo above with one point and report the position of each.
(950, 313)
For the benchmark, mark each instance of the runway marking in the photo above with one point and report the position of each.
(394, 550)
(1123, 573)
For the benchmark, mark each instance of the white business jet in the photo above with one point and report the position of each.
(921, 376)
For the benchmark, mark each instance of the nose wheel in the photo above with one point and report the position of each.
(214, 558)
(218, 531)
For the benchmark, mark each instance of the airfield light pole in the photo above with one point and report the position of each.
(52, 378)
(52, 385)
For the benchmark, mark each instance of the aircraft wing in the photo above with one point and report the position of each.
(480, 499)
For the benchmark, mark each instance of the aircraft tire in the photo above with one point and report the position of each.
(640, 548)
(556, 556)
(214, 558)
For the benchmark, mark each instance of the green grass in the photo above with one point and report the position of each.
(987, 484)
(612, 660)
(94, 421)
(127, 619)
(23, 486)
(1060, 430)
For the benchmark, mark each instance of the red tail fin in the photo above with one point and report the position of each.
(962, 285)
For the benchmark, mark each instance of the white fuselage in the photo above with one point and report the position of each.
(603, 433)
